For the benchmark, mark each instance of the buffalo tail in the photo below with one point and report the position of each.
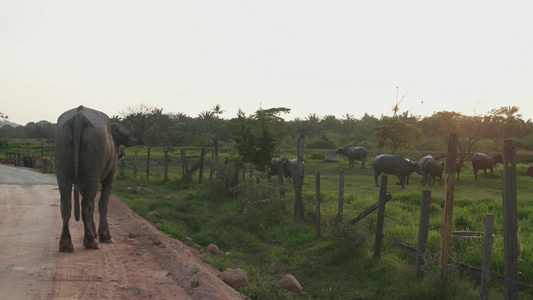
(76, 203)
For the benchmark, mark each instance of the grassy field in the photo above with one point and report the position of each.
(255, 231)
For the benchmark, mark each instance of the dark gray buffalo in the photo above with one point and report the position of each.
(87, 148)
(394, 164)
(433, 169)
(284, 165)
(430, 169)
(484, 161)
(354, 153)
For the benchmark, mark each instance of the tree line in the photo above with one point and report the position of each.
(259, 136)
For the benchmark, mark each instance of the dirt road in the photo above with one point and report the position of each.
(142, 263)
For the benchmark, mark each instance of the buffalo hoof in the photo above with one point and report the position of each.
(91, 244)
(65, 246)
(106, 239)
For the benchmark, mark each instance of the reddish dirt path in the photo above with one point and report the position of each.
(142, 263)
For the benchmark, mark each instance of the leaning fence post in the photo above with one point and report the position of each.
(447, 203)
(423, 228)
(510, 226)
(488, 238)
(317, 207)
(381, 216)
(341, 194)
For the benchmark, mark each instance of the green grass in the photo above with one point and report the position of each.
(255, 231)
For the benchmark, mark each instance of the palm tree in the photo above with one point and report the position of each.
(217, 110)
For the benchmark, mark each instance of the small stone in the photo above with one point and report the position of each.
(213, 249)
(290, 283)
(234, 277)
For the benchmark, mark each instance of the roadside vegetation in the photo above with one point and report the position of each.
(253, 225)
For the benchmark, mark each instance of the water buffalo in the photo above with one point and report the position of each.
(285, 165)
(484, 161)
(422, 163)
(433, 169)
(430, 169)
(394, 164)
(278, 165)
(354, 153)
(87, 146)
(529, 171)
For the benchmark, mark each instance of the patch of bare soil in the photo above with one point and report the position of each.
(142, 263)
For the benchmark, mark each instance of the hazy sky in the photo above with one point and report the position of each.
(323, 57)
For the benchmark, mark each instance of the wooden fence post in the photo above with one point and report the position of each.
(280, 182)
(166, 166)
(201, 171)
(298, 182)
(488, 238)
(317, 207)
(148, 164)
(510, 242)
(121, 167)
(184, 167)
(423, 228)
(212, 169)
(135, 164)
(447, 204)
(381, 216)
(216, 149)
(341, 195)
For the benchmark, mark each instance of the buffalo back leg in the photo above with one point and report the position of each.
(401, 177)
(65, 241)
(103, 228)
(87, 212)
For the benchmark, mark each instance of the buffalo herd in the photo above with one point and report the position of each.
(428, 167)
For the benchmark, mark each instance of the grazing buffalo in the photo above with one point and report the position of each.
(394, 164)
(484, 161)
(459, 164)
(433, 169)
(285, 165)
(278, 165)
(87, 146)
(422, 163)
(529, 171)
(430, 169)
(354, 153)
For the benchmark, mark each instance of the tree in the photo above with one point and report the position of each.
(255, 141)
(139, 117)
(2, 116)
(508, 118)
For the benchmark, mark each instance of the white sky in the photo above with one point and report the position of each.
(323, 57)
